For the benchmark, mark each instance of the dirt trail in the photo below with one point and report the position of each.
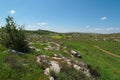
(106, 51)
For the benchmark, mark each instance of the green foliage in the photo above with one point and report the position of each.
(94, 72)
(71, 74)
(103, 64)
(20, 67)
(13, 37)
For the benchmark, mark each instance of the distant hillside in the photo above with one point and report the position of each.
(41, 32)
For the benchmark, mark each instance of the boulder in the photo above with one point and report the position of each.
(55, 67)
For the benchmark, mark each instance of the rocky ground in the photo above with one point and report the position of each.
(56, 62)
(53, 65)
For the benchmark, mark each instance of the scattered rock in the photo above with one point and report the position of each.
(30, 43)
(86, 72)
(79, 56)
(51, 78)
(75, 54)
(53, 64)
(69, 63)
(55, 55)
(34, 48)
(57, 58)
(38, 59)
(46, 49)
(14, 51)
(76, 67)
(65, 47)
(52, 46)
(47, 71)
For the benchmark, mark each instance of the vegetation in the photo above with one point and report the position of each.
(13, 37)
(71, 74)
(106, 65)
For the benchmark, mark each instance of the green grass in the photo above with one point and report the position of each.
(111, 46)
(109, 66)
(56, 37)
(12, 68)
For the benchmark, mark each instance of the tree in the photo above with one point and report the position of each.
(13, 37)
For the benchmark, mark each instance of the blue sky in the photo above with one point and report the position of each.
(101, 16)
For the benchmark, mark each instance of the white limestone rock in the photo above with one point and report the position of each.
(47, 71)
(55, 67)
(76, 67)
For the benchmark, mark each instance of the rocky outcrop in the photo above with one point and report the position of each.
(54, 64)
(57, 62)
(52, 46)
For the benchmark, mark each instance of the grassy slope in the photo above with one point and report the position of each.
(11, 67)
(109, 67)
(111, 46)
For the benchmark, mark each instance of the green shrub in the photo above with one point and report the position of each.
(71, 74)
(13, 37)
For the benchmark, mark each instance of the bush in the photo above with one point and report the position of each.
(71, 74)
(13, 37)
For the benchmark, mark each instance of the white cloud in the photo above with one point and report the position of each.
(110, 29)
(88, 26)
(103, 18)
(39, 25)
(12, 12)
(42, 24)
(98, 29)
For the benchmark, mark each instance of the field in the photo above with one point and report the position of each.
(24, 67)
(108, 66)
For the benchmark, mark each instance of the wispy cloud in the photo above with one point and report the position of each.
(88, 26)
(39, 25)
(101, 30)
(12, 12)
(110, 29)
(98, 29)
(103, 18)
(42, 24)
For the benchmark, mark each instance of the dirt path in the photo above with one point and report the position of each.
(106, 51)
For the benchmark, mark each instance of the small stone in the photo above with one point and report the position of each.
(38, 59)
(73, 52)
(76, 67)
(51, 78)
(14, 51)
(55, 55)
(69, 63)
(56, 58)
(47, 71)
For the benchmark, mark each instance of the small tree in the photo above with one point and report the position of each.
(13, 37)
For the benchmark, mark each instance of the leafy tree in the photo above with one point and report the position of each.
(13, 37)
